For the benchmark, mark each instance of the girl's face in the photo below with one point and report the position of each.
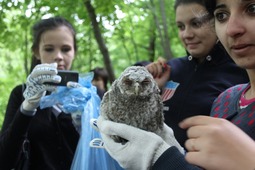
(57, 45)
(99, 82)
(235, 27)
(195, 31)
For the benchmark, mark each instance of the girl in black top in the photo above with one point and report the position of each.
(52, 136)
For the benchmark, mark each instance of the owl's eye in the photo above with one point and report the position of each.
(145, 82)
(128, 82)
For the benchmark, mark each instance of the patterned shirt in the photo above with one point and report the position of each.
(227, 106)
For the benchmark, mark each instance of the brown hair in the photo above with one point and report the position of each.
(44, 25)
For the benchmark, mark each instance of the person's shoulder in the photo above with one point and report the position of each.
(100, 92)
(227, 101)
(232, 91)
(178, 60)
(18, 90)
(238, 87)
(19, 87)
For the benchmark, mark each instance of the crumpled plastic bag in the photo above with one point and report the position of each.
(83, 104)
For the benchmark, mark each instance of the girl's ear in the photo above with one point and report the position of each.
(37, 55)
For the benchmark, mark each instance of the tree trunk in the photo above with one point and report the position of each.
(166, 45)
(152, 43)
(157, 23)
(100, 40)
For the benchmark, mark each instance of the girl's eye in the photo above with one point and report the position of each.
(180, 27)
(220, 16)
(49, 49)
(251, 9)
(196, 24)
(66, 49)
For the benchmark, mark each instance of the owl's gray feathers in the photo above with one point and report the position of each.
(134, 99)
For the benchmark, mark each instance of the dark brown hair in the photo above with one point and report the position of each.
(44, 25)
(101, 72)
(208, 4)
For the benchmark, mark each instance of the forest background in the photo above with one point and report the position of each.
(111, 33)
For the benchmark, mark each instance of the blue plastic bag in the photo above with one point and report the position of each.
(84, 103)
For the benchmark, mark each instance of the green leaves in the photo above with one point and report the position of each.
(128, 27)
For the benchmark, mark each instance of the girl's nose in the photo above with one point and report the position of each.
(59, 56)
(187, 33)
(235, 26)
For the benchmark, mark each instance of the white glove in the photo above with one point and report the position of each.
(35, 87)
(142, 149)
(168, 135)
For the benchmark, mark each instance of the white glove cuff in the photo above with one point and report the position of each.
(27, 108)
(161, 149)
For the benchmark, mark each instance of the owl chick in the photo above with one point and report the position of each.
(134, 99)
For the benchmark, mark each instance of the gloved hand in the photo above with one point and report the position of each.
(142, 149)
(168, 135)
(35, 87)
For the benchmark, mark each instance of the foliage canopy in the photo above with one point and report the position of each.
(132, 31)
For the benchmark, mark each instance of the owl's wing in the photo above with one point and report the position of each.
(105, 104)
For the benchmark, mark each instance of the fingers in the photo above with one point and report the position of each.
(93, 124)
(197, 131)
(35, 96)
(201, 125)
(122, 130)
(45, 73)
(45, 78)
(192, 145)
(36, 91)
(110, 145)
(153, 69)
(46, 69)
(157, 69)
(195, 158)
(105, 125)
(72, 84)
(96, 143)
(51, 88)
(109, 127)
(168, 130)
(195, 121)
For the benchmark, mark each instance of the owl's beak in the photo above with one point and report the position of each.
(137, 88)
